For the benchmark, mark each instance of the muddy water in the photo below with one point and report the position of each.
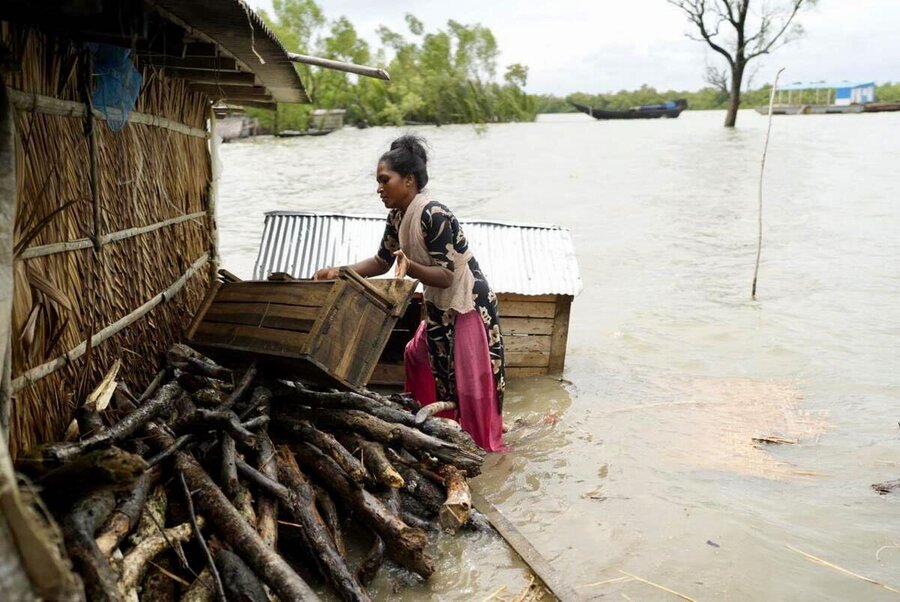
(642, 459)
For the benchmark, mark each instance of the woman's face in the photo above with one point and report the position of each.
(395, 190)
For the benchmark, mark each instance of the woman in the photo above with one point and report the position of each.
(457, 352)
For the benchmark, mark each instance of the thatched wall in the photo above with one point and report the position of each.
(145, 174)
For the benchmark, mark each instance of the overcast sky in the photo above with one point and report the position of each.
(601, 46)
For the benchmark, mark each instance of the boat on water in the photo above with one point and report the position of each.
(670, 109)
(826, 98)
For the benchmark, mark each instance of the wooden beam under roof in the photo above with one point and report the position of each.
(231, 92)
(215, 78)
(204, 63)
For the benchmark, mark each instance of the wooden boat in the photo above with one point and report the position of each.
(670, 109)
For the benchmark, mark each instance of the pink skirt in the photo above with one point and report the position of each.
(477, 412)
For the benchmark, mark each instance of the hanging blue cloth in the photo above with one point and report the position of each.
(117, 83)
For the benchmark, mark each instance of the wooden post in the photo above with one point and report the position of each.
(213, 195)
(560, 334)
(7, 240)
(24, 552)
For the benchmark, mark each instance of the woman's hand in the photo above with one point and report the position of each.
(326, 274)
(402, 264)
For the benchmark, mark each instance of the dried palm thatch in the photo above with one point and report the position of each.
(145, 175)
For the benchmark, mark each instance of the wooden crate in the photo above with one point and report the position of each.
(327, 331)
(535, 331)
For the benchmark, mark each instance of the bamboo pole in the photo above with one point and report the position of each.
(762, 171)
(213, 196)
(85, 243)
(339, 66)
(38, 372)
(7, 259)
(37, 103)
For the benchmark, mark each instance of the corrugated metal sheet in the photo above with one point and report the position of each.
(523, 259)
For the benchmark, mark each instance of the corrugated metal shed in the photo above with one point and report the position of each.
(523, 259)
(824, 85)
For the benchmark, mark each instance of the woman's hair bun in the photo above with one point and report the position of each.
(412, 144)
(408, 156)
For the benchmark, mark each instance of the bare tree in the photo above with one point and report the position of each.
(740, 35)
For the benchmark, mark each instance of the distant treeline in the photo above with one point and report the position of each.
(447, 75)
(704, 99)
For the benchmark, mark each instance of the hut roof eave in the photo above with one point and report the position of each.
(242, 34)
(220, 47)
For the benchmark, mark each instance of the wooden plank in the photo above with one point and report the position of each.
(267, 315)
(527, 359)
(204, 307)
(525, 309)
(513, 326)
(308, 293)
(527, 372)
(507, 297)
(388, 374)
(399, 291)
(530, 342)
(239, 337)
(560, 336)
(508, 531)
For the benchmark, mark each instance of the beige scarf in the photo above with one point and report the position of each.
(458, 296)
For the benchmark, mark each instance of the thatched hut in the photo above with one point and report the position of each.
(107, 197)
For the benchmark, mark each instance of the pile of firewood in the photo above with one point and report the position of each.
(215, 484)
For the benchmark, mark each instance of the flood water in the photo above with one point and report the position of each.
(642, 458)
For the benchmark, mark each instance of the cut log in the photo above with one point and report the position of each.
(159, 404)
(126, 515)
(243, 386)
(204, 420)
(229, 475)
(201, 541)
(409, 438)
(79, 526)
(371, 563)
(241, 536)
(303, 510)
(154, 515)
(135, 564)
(194, 382)
(374, 558)
(420, 487)
(384, 409)
(329, 446)
(267, 504)
(330, 517)
(374, 459)
(113, 469)
(158, 586)
(405, 544)
(239, 581)
(209, 398)
(202, 589)
(432, 409)
(208, 369)
(298, 498)
(454, 512)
